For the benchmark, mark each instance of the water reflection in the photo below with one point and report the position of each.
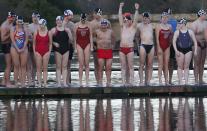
(144, 114)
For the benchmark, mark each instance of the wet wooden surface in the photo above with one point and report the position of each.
(106, 92)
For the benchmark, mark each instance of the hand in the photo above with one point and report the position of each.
(56, 44)
(159, 52)
(136, 6)
(121, 4)
(177, 53)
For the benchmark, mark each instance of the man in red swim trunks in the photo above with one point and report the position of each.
(128, 30)
(105, 40)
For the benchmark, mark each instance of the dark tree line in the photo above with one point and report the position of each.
(49, 9)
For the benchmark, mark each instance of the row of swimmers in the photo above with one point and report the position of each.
(29, 47)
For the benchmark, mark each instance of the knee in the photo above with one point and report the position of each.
(58, 67)
(44, 69)
(149, 64)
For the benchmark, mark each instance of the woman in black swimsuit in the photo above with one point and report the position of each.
(182, 42)
(61, 40)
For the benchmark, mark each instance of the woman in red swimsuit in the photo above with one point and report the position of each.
(19, 51)
(83, 42)
(42, 45)
(163, 39)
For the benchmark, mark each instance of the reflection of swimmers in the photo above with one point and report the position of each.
(97, 17)
(146, 47)
(19, 51)
(198, 26)
(42, 45)
(6, 45)
(182, 43)
(68, 16)
(126, 53)
(61, 42)
(163, 38)
(31, 60)
(83, 43)
(105, 39)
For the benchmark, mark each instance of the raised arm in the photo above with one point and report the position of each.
(136, 15)
(120, 14)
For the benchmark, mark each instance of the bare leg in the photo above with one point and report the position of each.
(39, 60)
(108, 71)
(187, 61)
(201, 66)
(100, 71)
(86, 62)
(81, 61)
(166, 62)
(23, 66)
(16, 60)
(130, 63)
(180, 61)
(58, 60)
(160, 66)
(142, 58)
(123, 67)
(7, 72)
(64, 68)
(149, 65)
(95, 65)
(46, 58)
(171, 68)
(197, 62)
(69, 71)
(31, 68)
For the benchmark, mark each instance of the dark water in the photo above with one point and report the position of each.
(143, 114)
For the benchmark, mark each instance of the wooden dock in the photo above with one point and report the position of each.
(106, 92)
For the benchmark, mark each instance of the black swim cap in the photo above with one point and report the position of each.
(201, 12)
(146, 14)
(11, 14)
(83, 16)
(182, 21)
(35, 14)
(98, 11)
(20, 20)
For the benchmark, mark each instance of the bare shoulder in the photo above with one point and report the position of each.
(67, 29)
(53, 30)
(176, 32)
(3, 25)
(170, 26)
(190, 31)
